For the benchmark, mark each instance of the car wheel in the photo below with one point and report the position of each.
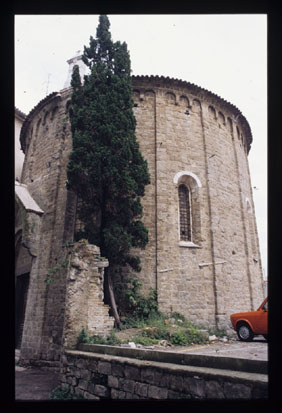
(245, 332)
(265, 336)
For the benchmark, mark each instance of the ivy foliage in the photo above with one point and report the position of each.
(106, 168)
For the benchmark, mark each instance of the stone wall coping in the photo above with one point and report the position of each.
(229, 363)
(204, 372)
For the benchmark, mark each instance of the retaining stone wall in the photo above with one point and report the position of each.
(98, 377)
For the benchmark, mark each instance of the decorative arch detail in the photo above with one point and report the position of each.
(197, 105)
(184, 101)
(170, 97)
(229, 123)
(221, 118)
(212, 112)
(187, 173)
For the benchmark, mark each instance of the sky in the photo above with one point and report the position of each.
(225, 54)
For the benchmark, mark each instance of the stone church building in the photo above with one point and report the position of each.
(203, 253)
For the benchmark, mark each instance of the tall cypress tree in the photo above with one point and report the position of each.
(106, 168)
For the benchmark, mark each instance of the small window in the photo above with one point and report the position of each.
(184, 213)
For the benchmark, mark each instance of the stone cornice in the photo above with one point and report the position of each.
(33, 111)
(155, 81)
(162, 81)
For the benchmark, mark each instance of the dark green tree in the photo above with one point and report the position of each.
(106, 168)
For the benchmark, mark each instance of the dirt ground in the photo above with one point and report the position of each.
(255, 350)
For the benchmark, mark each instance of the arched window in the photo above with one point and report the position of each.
(185, 213)
(189, 209)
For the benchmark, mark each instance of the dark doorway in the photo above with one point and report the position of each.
(21, 298)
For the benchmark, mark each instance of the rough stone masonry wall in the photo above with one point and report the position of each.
(98, 377)
(47, 147)
(184, 128)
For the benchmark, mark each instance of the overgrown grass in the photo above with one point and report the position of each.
(141, 312)
(175, 329)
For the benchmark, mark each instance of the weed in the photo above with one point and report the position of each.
(217, 332)
(179, 338)
(145, 341)
(59, 394)
(136, 305)
(96, 339)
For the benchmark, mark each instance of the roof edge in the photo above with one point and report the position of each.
(184, 83)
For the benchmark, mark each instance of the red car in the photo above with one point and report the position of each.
(251, 323)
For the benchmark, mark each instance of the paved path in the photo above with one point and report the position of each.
(34, 384)
(254, 350)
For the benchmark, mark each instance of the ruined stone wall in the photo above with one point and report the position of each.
(84, 307)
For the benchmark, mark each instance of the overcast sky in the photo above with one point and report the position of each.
(226, 54)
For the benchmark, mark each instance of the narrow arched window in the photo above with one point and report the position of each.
(184, 213)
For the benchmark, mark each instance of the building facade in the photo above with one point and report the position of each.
(203, 253)
(19, 155)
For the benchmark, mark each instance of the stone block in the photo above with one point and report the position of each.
(131, 372)
(91, 387)
(117, 394)
(101, 391)
(162, 379)
(70, 379)
(237, 391)
(147, 375)
(131, 396)
(80, 363)
(85, 374)
(194, 386)
(176, 382)
(93, 365)
(128, 385)
(77, 373)
(159, 393)
(113, 382)
(104, 367)
(141, 389)
(90, 396)
(83, 384)
(214, 390)
(79, 392)
(118, 370)
(173, 394)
